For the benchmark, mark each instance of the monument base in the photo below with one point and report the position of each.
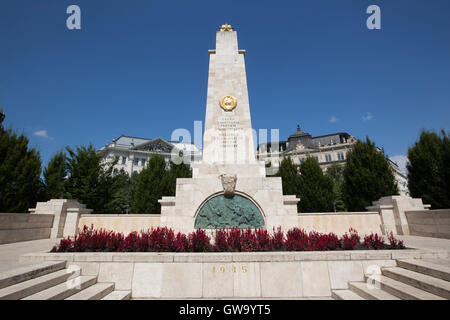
(266, 193)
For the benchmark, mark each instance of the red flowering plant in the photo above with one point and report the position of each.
(263, 239)
(163, 239)
(374, 242)
(181, 243)
(394, 243)
(199, 241)
(350, 241)
(297, 240)
(277, 240)
(221, 240)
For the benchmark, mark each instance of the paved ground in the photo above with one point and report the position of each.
(10, 253)
(425, 243)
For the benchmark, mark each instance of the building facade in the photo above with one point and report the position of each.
(327, 150)
(133, 153)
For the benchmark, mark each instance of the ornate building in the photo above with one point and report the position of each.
(134, 153)
(327, 149)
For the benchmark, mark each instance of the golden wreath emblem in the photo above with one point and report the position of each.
(228, 102)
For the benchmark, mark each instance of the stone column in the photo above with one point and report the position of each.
(392, 211)
(66, 215)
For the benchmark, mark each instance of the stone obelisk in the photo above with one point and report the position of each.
(229, 186)
(228, 137)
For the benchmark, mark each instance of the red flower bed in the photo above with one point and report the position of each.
(163, 239)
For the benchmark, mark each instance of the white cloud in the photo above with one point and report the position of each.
(401, 161)
(333, 119)
(42, 134)
(367, 117)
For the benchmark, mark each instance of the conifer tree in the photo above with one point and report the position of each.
(120, 200)
(316, 189)
(336, 173)
(20, 169)
(89, 181)
(429, 169)
(367, 176)
(175, 171)
(289, 176)
(55, 176)
(150, 187)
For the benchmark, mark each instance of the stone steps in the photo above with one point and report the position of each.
(374, 293)
(425, 267)
(94, 292)
(420, 281)
(118, 295)
(64, 290)
(402, 290)
(345, 295)
(33, 286)
(25, 273)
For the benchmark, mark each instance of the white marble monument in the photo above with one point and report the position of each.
(229, 186)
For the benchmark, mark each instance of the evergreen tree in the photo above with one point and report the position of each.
(175, 171)
(89, 181)
(336, 173)
(150, 187)
(54, 176)
(134, 181)
(20, 169)
(289, 176)
(316, 189)
(429, 169)
(120, 201)
(367, 176)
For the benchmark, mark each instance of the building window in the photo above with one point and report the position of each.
(124, 160)
(317, 158)
(136, 161)
(143, 162)
(340, 156)
(328, 157)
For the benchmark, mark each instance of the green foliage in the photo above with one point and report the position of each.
(175, 171)
(89, 181)
(150, 187)
(316, 189)
(367, 176)
(336, 173)
(289, 176)
(429, 169)
(20, 169)
(55, 176)
(120, 200)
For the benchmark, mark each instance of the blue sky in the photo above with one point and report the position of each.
(140, 68)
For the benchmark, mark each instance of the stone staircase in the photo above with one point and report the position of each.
(52, 281)
(411, 279)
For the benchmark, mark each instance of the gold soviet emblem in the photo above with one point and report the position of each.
(226, 27)
(228, 102)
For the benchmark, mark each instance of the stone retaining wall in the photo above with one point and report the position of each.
(124, 223)
(340, 222)
(429, 223)
(152, 275)
(16, 227)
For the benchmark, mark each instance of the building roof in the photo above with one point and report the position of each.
(137, 143)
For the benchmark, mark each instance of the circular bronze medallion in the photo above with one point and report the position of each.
(228, 102)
